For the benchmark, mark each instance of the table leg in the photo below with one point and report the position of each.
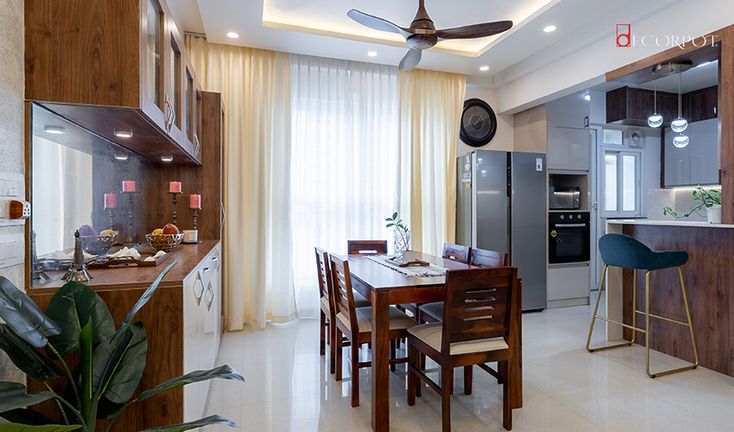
(516, 338)
(380, 362)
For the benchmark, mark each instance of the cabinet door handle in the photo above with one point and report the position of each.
(198, 294)
(716, 109)
(207, 270)
(215, 258)
(209, 297)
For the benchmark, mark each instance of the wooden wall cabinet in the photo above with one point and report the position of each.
(114, 66)
(700, 105)
(632, 106)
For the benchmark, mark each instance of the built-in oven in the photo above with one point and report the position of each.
(569, 237)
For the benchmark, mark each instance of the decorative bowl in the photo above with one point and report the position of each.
(164, 242)
(98, 244)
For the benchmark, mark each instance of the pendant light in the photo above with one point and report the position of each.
(680, 124)
(680, 141)
(655, 120)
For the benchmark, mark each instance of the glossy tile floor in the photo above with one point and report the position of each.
(566, 389)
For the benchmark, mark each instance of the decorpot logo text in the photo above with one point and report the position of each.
(625, 39)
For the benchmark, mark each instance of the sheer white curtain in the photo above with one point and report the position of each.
(344, 170)
(255, 87)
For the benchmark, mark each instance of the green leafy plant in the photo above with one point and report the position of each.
(702, 198)
(78, 324)
(402, 233)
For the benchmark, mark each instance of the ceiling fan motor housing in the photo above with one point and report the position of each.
(421, 42)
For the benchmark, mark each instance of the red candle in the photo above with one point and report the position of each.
(128, 185)
(174, 187)
(195, 201)
(110, 200)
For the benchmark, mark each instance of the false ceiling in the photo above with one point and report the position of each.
(322, 28)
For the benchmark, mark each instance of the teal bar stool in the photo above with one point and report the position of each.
(619, 250)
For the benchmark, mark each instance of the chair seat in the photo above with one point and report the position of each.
(434, 310)
(431, 334)
(398, 320)
(620, 250)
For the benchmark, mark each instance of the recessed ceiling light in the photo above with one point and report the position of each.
(371, 53)
(587, 97)
(550, 29)
(121, 133)
(484, 68)
(54, 130)
(232, 35)
(121, 156)
(167, 158)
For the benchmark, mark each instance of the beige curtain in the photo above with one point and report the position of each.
(255, 85)
(430, 112)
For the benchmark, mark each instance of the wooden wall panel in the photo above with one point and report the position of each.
(726, 120)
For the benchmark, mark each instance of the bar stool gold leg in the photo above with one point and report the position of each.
(634, 307)
(602, 286)
(688, 317)
(688, 323)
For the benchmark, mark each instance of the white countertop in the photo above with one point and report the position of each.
(673, 223)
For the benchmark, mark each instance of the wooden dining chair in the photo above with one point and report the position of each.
(488, 258)
(456, 252)
(366, 247)
(327, 331)
(356, 324)
(478, 309)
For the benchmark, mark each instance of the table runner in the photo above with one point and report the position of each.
(429, 271)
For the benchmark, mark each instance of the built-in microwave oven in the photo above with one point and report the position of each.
(564, 198)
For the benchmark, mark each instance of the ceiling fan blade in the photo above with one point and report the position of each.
(410, 60)
(475, 30)
(377, 23)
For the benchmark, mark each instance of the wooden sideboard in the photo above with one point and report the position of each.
(183, 323)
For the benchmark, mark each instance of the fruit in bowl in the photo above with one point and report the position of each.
(164, 239)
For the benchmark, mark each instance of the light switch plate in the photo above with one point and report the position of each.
(539, 164)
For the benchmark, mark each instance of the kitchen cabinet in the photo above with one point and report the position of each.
(697, 163)
(701, 104)
(570, 111)
(569, 149)
(568, 284)
(116, 68)
(202, 300)
(632, 106)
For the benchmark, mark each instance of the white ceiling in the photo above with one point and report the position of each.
(321, 28)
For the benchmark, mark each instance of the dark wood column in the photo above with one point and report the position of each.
(726, 122)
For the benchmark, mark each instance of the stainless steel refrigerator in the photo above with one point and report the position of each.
(501, 206)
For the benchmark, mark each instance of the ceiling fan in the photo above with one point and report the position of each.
(422, 34)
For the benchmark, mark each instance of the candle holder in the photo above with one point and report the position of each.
(130, 240)
(111, 215)
(175, 201)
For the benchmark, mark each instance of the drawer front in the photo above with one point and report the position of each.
(568, 282)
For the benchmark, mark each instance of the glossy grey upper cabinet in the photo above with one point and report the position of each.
(569, 149)
(570, 111)
(696, 164)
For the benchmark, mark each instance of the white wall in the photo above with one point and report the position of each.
(503, 139)
(586, 67)
(11, 127)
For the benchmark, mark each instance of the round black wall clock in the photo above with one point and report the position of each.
(478, 123)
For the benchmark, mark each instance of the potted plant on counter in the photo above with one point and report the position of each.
(100, 365)
(401, 233)
(710, 199)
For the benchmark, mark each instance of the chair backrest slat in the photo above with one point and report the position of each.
(343, 294)
(456, 252)
(488, 258)
(478, 304)
(323, 270)
(366, 247)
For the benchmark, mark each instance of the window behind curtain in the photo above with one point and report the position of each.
(344, 169)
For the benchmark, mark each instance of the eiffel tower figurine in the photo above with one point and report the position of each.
(78, 271)
(37, 272)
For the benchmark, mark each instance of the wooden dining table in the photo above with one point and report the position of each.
(384, 286)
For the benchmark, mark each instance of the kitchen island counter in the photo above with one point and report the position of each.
(709, 281)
